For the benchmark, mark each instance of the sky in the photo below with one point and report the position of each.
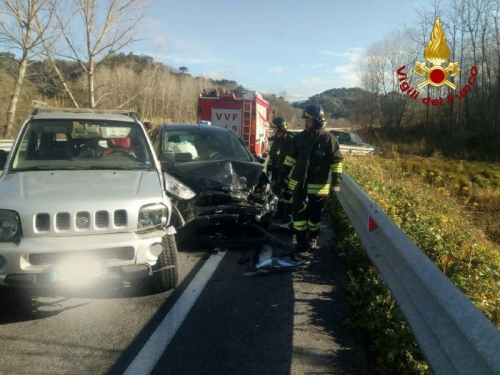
(296, 48)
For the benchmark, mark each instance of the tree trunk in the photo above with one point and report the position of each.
(90, 76)
(11, 113)
(63, 81)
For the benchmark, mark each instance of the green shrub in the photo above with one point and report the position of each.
(425, 203)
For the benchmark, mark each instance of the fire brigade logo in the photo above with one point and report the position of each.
(436, 53)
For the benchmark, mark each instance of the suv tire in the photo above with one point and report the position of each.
(166, 279)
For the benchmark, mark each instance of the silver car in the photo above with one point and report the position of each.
(83, 198)
(352, 144)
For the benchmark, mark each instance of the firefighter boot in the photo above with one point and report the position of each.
(301, 242)
(313, 243)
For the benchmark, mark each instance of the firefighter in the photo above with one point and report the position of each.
(149, 127)
(315, 157)
(281, 142)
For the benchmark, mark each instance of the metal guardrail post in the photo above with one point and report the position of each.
(453, 334)
(6, 144)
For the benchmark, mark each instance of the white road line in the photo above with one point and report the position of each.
(151, 352)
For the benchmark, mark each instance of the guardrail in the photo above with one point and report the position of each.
(453, 334)
(6, 144)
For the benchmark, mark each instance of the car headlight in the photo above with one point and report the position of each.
(10, 226)
(177, 188)
(152, 216)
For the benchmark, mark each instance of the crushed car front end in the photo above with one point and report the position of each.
(229, 186)
(227, 193)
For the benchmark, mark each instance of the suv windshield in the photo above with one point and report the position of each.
(82, 144)
(204, 145)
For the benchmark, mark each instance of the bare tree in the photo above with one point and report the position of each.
(372, 69)
(48, 43)
(95, 29)
(18, 31)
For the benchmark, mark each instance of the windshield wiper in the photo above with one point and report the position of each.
(39, 168)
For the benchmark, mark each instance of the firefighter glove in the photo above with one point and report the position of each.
(334, 189)
(336, 177)
(335, 183)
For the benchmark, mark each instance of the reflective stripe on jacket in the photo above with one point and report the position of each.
(313, 156)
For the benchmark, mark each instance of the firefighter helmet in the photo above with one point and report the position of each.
(279, 123)
(316, 113)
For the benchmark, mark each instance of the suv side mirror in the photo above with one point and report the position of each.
(168, 155)
(3, 159)
(167, 158)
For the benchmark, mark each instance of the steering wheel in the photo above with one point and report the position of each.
(120, 152)
(217, 155)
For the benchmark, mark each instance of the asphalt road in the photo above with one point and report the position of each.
(282, 322)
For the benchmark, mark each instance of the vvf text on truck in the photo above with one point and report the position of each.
(247, 116)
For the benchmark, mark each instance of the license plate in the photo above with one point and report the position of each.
(65, 272)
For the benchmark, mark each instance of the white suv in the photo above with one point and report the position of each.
(82, 197)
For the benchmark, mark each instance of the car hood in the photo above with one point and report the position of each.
(226, 175)
(47, 187)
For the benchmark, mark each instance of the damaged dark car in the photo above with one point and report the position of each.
(218, 186)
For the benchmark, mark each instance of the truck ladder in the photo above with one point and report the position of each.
(247, 120)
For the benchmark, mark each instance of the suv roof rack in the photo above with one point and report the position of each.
(126, 112)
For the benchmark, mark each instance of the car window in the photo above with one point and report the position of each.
(204, 145)
(71, 144)
(356, 138)
(343, 138)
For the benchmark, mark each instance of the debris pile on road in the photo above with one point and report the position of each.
(268, 258)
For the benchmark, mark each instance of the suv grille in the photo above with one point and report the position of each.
(82, 220)
(120, 253)
(101, 219)
(120, 218)
(62, 221)
(42, 222)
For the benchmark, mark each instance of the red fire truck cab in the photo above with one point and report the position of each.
(247, 116)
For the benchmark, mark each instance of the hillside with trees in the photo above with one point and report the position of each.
(159, 93)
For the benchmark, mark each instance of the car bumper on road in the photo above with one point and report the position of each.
(54, 259)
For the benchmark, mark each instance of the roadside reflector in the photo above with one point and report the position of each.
(372, 225)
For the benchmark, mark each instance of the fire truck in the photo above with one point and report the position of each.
(247, 116)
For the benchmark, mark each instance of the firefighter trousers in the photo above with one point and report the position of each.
(306, 214)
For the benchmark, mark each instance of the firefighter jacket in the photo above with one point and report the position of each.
(312, 155)
(277, 153)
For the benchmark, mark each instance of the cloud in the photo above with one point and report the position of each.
(276, 69)
(343, 69)
(180, 59)
(353, 54)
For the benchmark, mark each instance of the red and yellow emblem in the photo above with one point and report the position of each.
(437, 52)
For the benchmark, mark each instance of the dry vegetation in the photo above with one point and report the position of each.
(448, 208)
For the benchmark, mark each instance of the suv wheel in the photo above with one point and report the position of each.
(166, 279)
